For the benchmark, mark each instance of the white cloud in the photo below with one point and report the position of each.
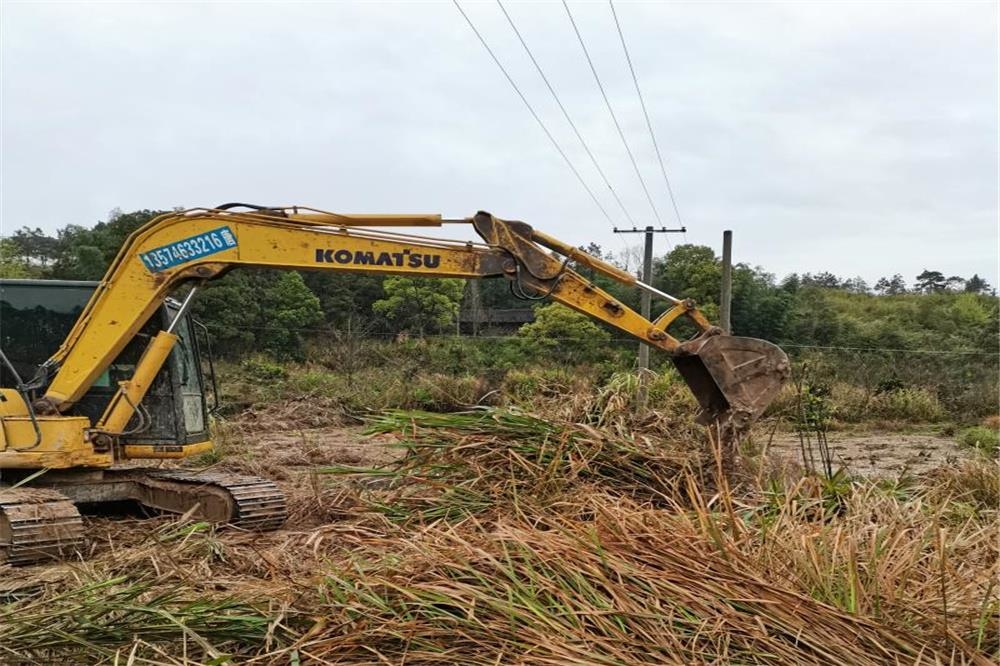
(859, 138)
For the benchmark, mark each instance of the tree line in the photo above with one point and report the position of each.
(276, 311)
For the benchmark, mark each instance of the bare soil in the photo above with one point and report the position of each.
(299, 461)
(877, 454)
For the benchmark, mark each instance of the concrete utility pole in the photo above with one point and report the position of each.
(726, 297)
(475, 310)
(646, 303)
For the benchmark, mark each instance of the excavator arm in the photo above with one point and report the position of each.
(733, 378)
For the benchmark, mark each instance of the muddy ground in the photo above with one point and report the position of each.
(878, 454)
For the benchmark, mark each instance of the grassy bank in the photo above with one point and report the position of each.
(350, 378)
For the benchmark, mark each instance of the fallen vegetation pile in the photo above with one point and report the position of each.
(502, 537)
(498, 462)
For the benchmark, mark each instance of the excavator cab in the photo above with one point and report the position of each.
(36, 316)
(43, 522)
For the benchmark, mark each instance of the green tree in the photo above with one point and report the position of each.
(565, 335)
(955, 283)
(891, 286)
(977, 285)
(689, 271)
(420, 305)
(111, 235)
(288, 310)
(824, 279)
(78, 257)
(85, 254)
(760, 309)
(855, 285)
(230, 308)
(266, 310)
(930, 282)
(12, 261)
(346, 298)
(496, 294)
(35, 247)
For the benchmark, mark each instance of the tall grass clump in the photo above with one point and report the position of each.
(96, 618)
(555, 526)
(983, 438)
(626, 585)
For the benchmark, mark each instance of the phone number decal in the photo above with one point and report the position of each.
(189, 249)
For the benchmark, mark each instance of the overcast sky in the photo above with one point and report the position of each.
(859, 138)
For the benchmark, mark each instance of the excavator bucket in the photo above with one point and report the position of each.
(733, 378)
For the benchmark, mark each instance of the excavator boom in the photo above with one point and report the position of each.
(732, 378)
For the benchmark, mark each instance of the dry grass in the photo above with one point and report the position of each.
(501, 537)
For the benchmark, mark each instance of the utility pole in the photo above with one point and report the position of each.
(726, 297)
(474, 310)
(646, 303)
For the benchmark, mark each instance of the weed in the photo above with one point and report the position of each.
(261, 369)
(982, 438)
(502, 537)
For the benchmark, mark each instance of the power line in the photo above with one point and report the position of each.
(645, 113)
(607, 103)
(565, 113)
(531, 109)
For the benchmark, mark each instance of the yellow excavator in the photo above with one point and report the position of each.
(126, 383)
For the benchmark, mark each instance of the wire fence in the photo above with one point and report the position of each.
(920, 382)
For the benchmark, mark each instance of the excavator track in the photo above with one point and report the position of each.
(37, 525)
(253, 503)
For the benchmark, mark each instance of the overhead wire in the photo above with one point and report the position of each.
(534, 114)
(645, 113)
(611, 110)
(565, 113)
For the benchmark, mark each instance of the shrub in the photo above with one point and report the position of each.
(446, 393)
(525, 386)
(619, 395)
(316, 383)
(908, 405)
(262, 369)
(561, 334)
(985, 439)
(855, 404)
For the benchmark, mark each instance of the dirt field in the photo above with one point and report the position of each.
(873, 454)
